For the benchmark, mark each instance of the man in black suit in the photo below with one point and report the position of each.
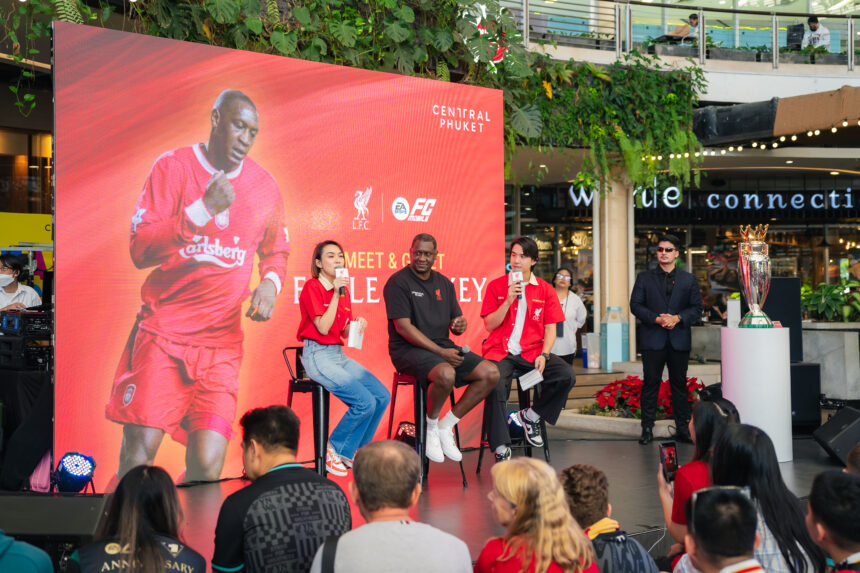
(667, 301)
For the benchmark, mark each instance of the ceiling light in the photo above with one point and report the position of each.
(817, 131)
(789, 161)
(833, 129)
(834, 173)
(794, 138)
(809, 133)
(844, 123)
(782, 138)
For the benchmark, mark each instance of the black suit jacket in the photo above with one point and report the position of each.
(648, 301)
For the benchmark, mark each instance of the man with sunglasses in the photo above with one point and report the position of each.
(722, 531)
(667, 301)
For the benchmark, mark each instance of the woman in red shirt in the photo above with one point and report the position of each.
(707, 422)
(326, 320)
(542, 536)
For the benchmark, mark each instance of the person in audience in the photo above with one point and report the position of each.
(520, 312)
(707, 422)
(326, 318)
(852, 465)
(140, 531)
(22, 557)
(422, 310)
(833, 519)
(744, 456)
(528, 500)
(816, 36)
(385, 489)
(722, 534)
(14, 295)
(587, 491)
(278, 522)
(574, 315)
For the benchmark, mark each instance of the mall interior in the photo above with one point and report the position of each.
(779, 127)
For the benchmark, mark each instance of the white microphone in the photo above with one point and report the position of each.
(517, 277)
(341, 272)
(464, 349)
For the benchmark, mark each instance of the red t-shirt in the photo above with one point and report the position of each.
(202, 263)
(690, 477)
(542, 309)
(313, 302)
(488, 560)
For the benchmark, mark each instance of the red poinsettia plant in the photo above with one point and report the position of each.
(621, 398)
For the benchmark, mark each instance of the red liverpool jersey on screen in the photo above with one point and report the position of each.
(204, 263)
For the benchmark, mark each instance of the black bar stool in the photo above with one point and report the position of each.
(301, 383)
(524, 401)
(419, 402)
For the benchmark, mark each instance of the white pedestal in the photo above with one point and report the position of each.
(757, 379)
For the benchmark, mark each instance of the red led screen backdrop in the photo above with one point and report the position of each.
(366, 158)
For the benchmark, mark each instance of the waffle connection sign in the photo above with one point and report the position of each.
(673, 197)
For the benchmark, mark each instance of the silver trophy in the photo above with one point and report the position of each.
(755, 275)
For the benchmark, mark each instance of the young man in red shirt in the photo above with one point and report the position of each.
(204, 212)
(521, 317)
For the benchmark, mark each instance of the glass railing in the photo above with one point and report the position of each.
(746, 31)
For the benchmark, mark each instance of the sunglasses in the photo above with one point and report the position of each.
(563, 277)
(706, 491)
(665, 249)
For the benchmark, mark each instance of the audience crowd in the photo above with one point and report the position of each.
(729, 510)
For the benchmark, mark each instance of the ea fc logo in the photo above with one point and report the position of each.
(400, 209)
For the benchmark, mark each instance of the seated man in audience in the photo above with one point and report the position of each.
(279, 521)
(852, 465)
(721, 534)
(833, 519)
(22, 557)
(587, 491)
(385, 489)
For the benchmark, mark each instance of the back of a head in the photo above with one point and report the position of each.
(386, 473)
(144, 504)
(852, 462)
(272, 427)
(835, 503)
(542, 518)
(587, 491)
(709, 422)
(722, 522)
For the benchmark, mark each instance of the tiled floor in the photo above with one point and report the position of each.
(465, 512)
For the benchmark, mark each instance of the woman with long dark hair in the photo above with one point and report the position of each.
(707, 422)
(326, 314)
(140, 531)
(744, 456)
(574, 315)
(14, 295)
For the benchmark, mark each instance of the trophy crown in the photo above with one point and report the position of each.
(754, 235)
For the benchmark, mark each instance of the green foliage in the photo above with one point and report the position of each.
(631, 109)
(835, 302)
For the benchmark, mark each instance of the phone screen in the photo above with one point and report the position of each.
(669, 460)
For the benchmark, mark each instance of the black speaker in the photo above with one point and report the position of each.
(805, 395)
(56, 523)
(783, 304)
(839, 434)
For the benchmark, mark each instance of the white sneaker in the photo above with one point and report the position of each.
(449, 445)
(433, 446)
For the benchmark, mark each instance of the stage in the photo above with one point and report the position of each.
(465, 512)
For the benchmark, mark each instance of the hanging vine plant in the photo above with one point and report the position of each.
(630, 110)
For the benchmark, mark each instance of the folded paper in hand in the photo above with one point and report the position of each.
(529, 379)
(356, 335)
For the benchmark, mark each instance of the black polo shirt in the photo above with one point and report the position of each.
(430, 304)
(278, 522)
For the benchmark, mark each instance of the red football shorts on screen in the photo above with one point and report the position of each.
(175, 387)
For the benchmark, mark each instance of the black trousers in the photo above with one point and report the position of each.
(558, 379)
(653, 362)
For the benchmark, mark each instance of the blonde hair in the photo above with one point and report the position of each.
(543, 526)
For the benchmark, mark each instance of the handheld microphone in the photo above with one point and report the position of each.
(341, 272)
(517, 277)
(464, 349)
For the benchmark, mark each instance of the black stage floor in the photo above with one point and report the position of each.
(465, 512)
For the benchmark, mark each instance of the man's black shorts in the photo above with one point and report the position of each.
(418, 363)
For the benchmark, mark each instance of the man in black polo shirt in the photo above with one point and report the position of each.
(422, 308)
(278, 522)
